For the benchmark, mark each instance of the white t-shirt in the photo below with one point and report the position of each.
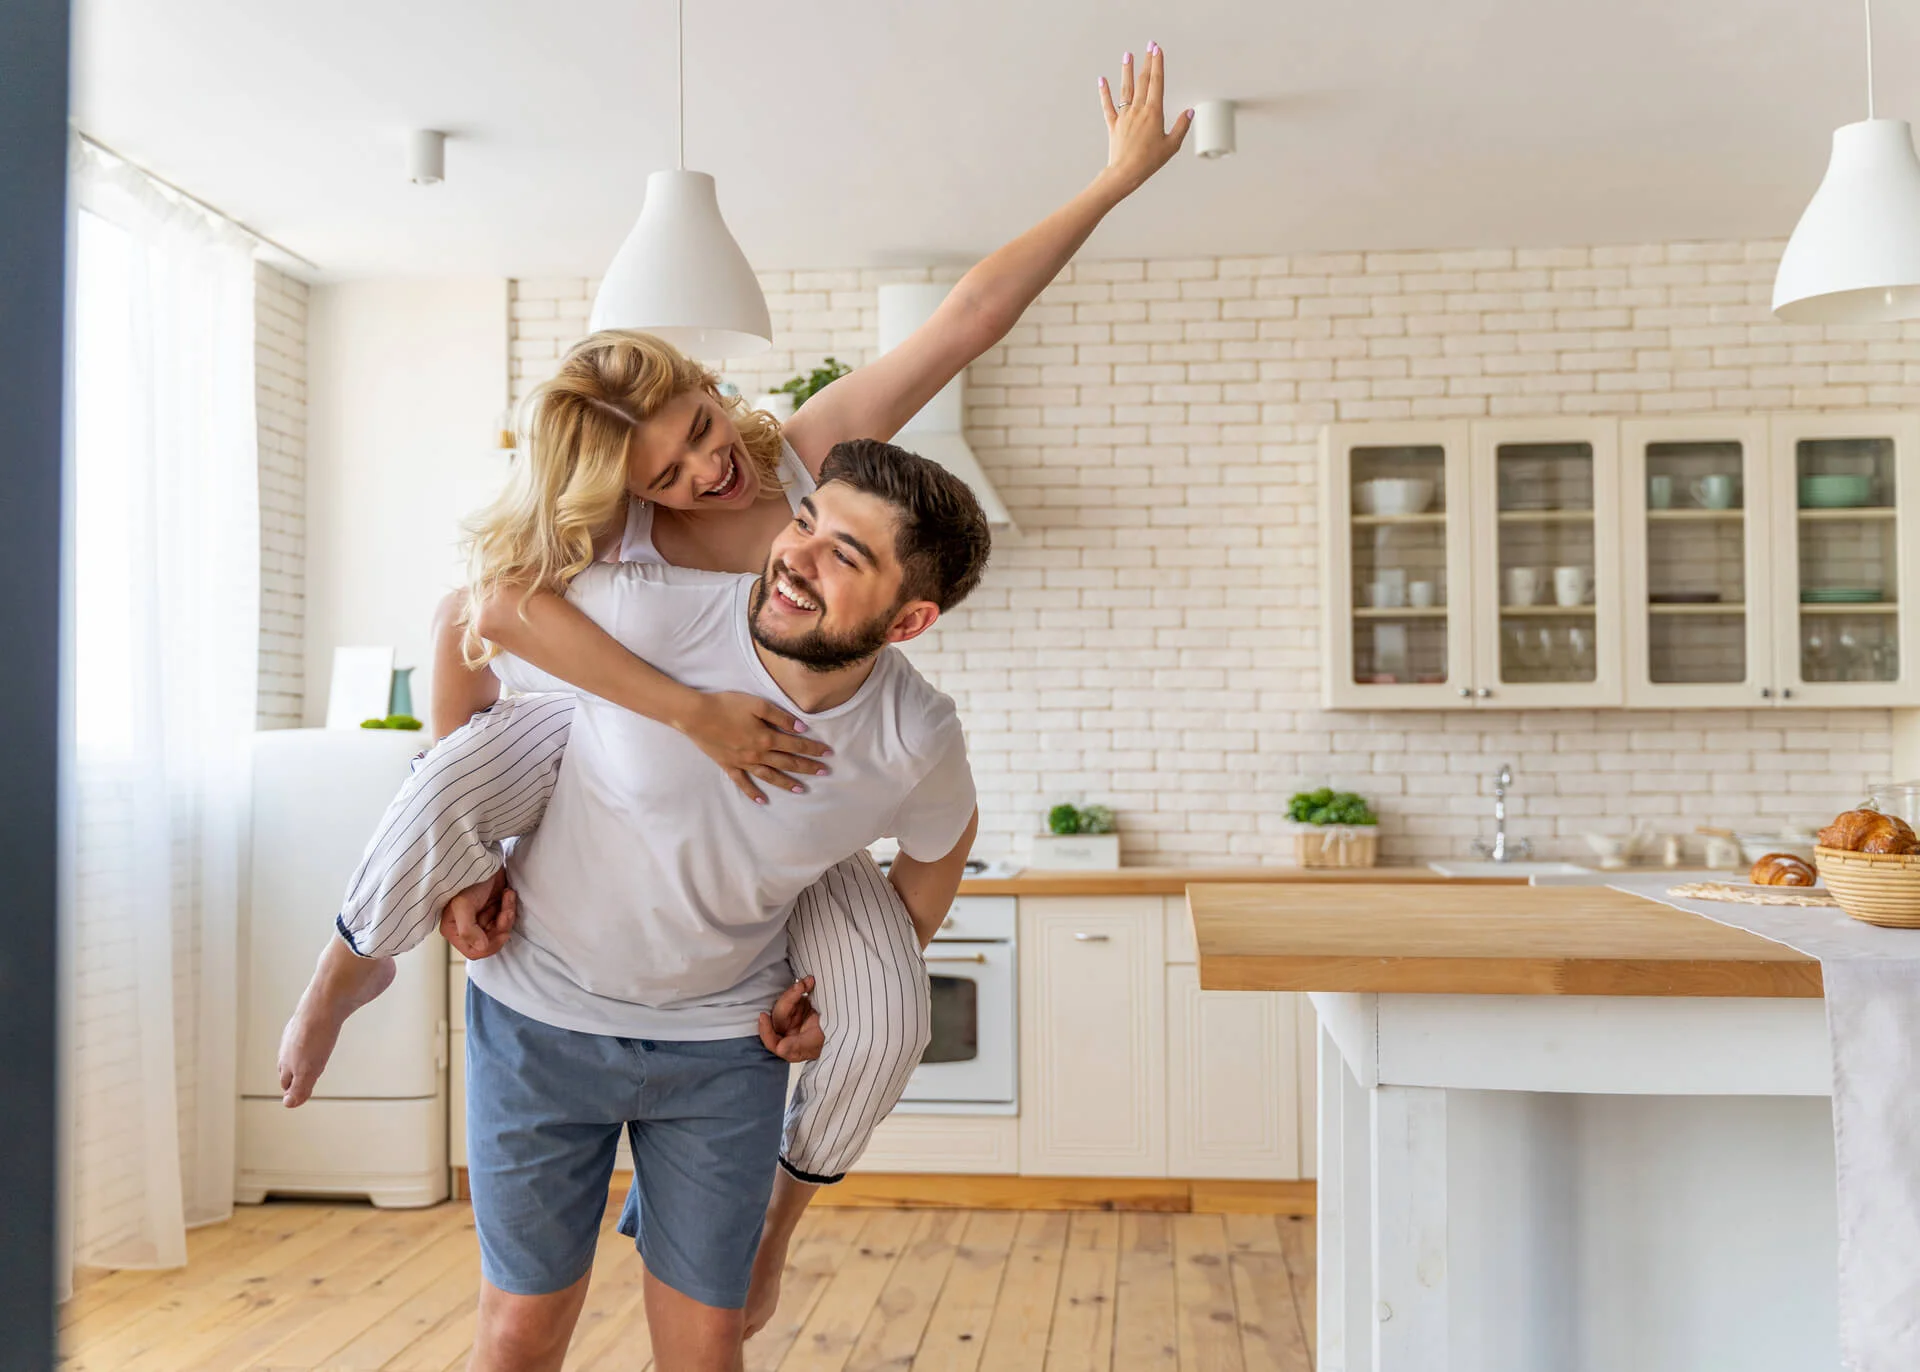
(654, 896)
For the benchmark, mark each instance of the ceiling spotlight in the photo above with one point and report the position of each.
(1213, 128)
(427, 157)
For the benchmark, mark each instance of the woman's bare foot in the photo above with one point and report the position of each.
(341, 984)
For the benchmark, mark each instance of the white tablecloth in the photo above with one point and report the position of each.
(1872, 979)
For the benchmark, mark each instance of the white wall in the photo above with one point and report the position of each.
(1150, 637)
(280, 399)
(407, 381)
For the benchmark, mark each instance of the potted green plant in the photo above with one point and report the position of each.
(1078, 837)
(790, 395)
(1333, 829)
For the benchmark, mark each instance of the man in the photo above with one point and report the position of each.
(651, 906)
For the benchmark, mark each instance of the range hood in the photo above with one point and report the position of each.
(935, 431)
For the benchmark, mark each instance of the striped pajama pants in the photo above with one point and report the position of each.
(490, 782)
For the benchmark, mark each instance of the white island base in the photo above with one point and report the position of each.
(1523, 1183)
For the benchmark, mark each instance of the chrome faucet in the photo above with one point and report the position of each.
(1501, 850)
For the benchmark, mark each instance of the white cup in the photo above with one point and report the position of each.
(1390, 588)
(1420, 594)
(1570, 585)
(1523, 586)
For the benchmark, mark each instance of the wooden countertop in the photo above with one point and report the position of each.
(1173, 881)
(1480, 940)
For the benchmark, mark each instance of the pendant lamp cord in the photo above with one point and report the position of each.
(1869, 5)
(680, 76)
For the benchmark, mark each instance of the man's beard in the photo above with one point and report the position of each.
(816, 649)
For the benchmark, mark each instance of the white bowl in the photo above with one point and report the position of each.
(1394, 496)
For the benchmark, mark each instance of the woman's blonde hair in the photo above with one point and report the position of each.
(571, 485)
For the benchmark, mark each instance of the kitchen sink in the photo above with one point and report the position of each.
(1476, 867)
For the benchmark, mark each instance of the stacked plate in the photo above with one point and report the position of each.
(1841, 595)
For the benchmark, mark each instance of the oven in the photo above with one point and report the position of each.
(971, 1065)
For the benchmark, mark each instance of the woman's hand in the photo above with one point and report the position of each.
(751, 738)
(1138, 143)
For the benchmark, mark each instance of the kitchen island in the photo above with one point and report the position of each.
(1560, 1128)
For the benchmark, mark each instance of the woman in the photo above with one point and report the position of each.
(635, 454)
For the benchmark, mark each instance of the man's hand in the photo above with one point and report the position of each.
(478, 920)
(792, 1029)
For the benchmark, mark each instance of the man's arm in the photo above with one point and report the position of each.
(928, 888)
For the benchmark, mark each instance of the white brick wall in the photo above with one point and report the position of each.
(280, 399)
(1150, 638)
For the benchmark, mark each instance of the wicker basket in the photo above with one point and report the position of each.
(1336, 845)
(1879, 888)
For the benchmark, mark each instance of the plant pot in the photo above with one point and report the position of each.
(1076, 852)
(1336, 845)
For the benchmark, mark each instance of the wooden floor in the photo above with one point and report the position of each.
(298, 1286)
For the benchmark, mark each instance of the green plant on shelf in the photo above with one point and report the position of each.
(1092, 819)
(407, 722)
(1327, 806)
(806, 387)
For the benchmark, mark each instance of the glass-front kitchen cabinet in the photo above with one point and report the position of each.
(1546, 544)
(1397, 570)
(1846, 495)
(1664, 563)
(1697, 513)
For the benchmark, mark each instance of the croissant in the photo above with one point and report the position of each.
(1781, 869)
(1869, 831)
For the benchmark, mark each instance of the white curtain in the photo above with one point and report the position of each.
(164, 600)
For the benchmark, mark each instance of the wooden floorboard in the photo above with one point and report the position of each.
(304, 1286)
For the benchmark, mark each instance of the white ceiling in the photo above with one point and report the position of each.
(869, 132)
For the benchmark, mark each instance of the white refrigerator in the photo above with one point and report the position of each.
(377, 1123)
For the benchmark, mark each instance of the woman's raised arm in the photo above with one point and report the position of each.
(876, 400)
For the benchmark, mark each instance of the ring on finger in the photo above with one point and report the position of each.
(1119, 105)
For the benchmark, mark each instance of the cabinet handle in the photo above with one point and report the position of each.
(1766, 693)
(977, 957)
(1786, 693)
(1465, 692)
(1484, 692)
(1090, 938)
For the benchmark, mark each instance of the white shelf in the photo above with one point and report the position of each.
(1409, 612)
(1430, 518)
(1711, 607)
(1544, 611)
(1871, 607)
(1845, 512)
(1691, 516)
(1546, 516)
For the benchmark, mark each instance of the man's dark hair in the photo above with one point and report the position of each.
(942, 539)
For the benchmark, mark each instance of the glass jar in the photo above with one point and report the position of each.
(1900, 799)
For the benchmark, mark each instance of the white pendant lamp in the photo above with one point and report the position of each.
(680, 275)
(1854, 257)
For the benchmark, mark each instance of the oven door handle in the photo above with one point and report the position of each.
(975, 957)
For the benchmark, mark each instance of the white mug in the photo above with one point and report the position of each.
(1390, 588)
(1523, 586)
(1420, 594)
(1570, 585)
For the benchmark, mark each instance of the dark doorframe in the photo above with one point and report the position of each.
(33, 244)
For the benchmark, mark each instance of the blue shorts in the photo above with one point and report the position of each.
(545, 1107)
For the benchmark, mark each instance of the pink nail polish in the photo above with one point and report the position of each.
(759, 800)
(799, 726)
(1126, 59)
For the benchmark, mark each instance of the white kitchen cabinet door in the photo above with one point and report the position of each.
(1093, 1066)
(1696, 502)
(1547, 575)
(1397, 567)
(1232, 1081)
(1846, 494)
